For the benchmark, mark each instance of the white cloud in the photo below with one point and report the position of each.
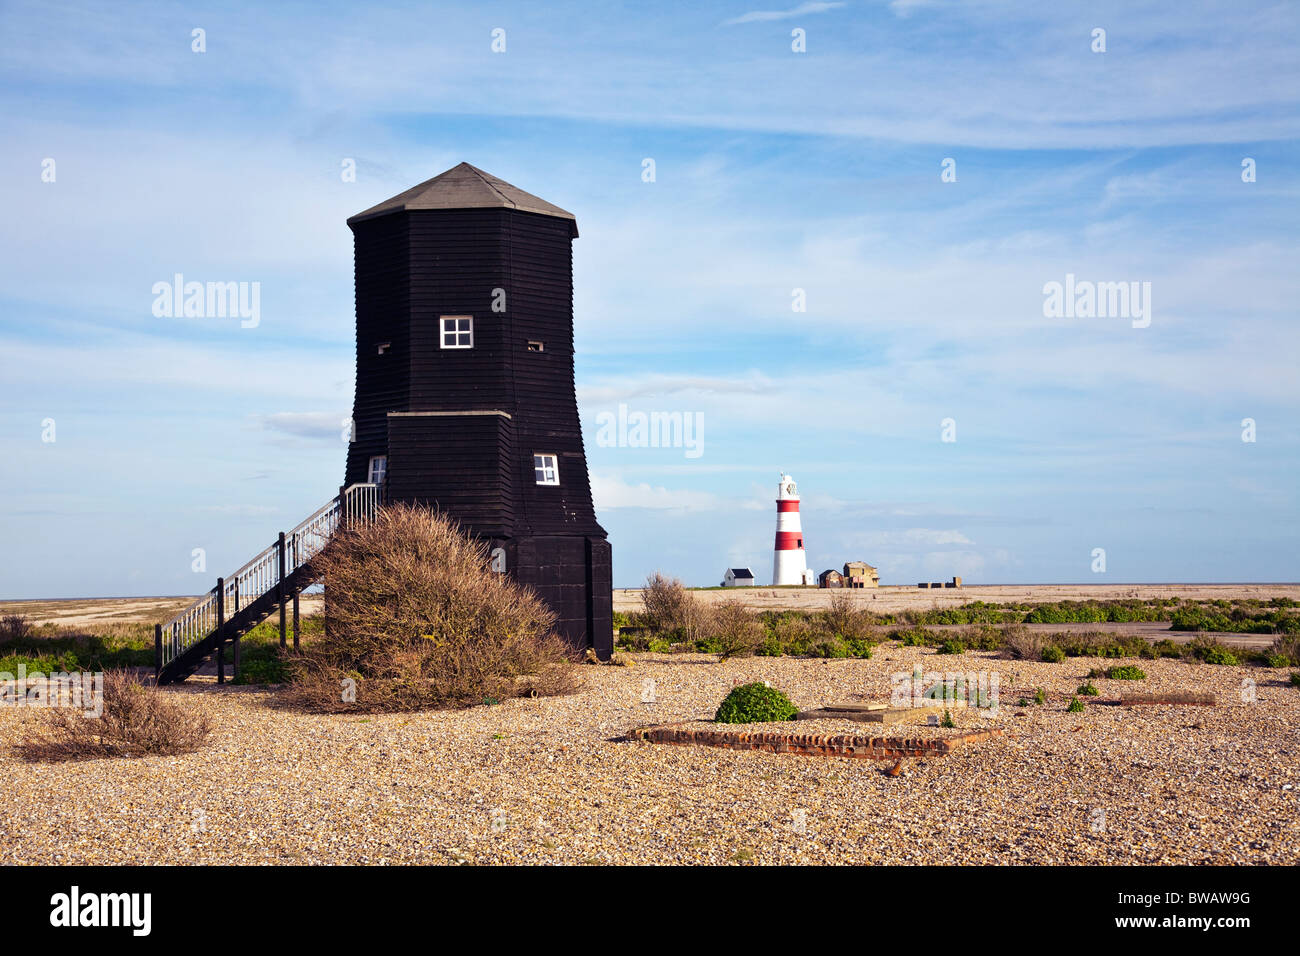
(761, 16)
(326, 426)
(611, 493)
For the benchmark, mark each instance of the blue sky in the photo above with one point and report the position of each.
(775, 171)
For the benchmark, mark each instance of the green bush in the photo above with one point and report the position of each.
(1295, 679)
(1053, 654)
(1220, 655)
(834, 648)
(952, 646)
(947, 720)
(1040, 697)
(916, 637)
(1076, 706)
(43, 663)
(1126, 672)
(1277, 660)
(1088, 690)
(982, 637)
(755, 703)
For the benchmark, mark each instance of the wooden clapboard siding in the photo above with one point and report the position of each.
(460, 465)
(382, 305)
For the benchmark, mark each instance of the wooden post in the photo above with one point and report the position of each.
(295, 622)
(281, 593)
(157, 653)
(237, 668)
(221, 630)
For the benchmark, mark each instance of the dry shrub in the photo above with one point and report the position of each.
(1020, 643)
(138, 720)
(844, 617)
(14, 627)
(671, 610)
(416, 621)
(792, 632)
(1288, 646)
(735, 630)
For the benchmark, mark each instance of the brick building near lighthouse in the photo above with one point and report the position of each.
(465, 396)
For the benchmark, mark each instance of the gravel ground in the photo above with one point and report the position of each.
(548, 781)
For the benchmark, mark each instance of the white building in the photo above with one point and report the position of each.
(738, 578)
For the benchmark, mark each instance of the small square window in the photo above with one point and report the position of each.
(457, 332)
(537, 346)
(378, 470)
(546, 469)
(384, 347)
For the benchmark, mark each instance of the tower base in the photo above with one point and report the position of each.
(573, 575)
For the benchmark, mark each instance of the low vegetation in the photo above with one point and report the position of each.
(136, 721)
(1126, 672)
(1076, 706)
(675, 620)
(755, 703)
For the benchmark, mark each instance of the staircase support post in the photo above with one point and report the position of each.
(157, 653)
(221, 630)
(295, 622)
(281, 594)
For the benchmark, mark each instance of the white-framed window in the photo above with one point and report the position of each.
(378, 470)
(546, 469)
(457, 332)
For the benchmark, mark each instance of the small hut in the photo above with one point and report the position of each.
(830, 579)
(738, 578)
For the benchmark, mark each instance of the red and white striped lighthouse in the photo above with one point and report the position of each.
(789, 563)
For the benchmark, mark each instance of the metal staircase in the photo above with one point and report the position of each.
(244, 599)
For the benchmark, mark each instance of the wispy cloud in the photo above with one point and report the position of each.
(324, 426)
(761, 16)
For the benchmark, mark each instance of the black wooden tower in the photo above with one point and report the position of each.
(465, 399)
